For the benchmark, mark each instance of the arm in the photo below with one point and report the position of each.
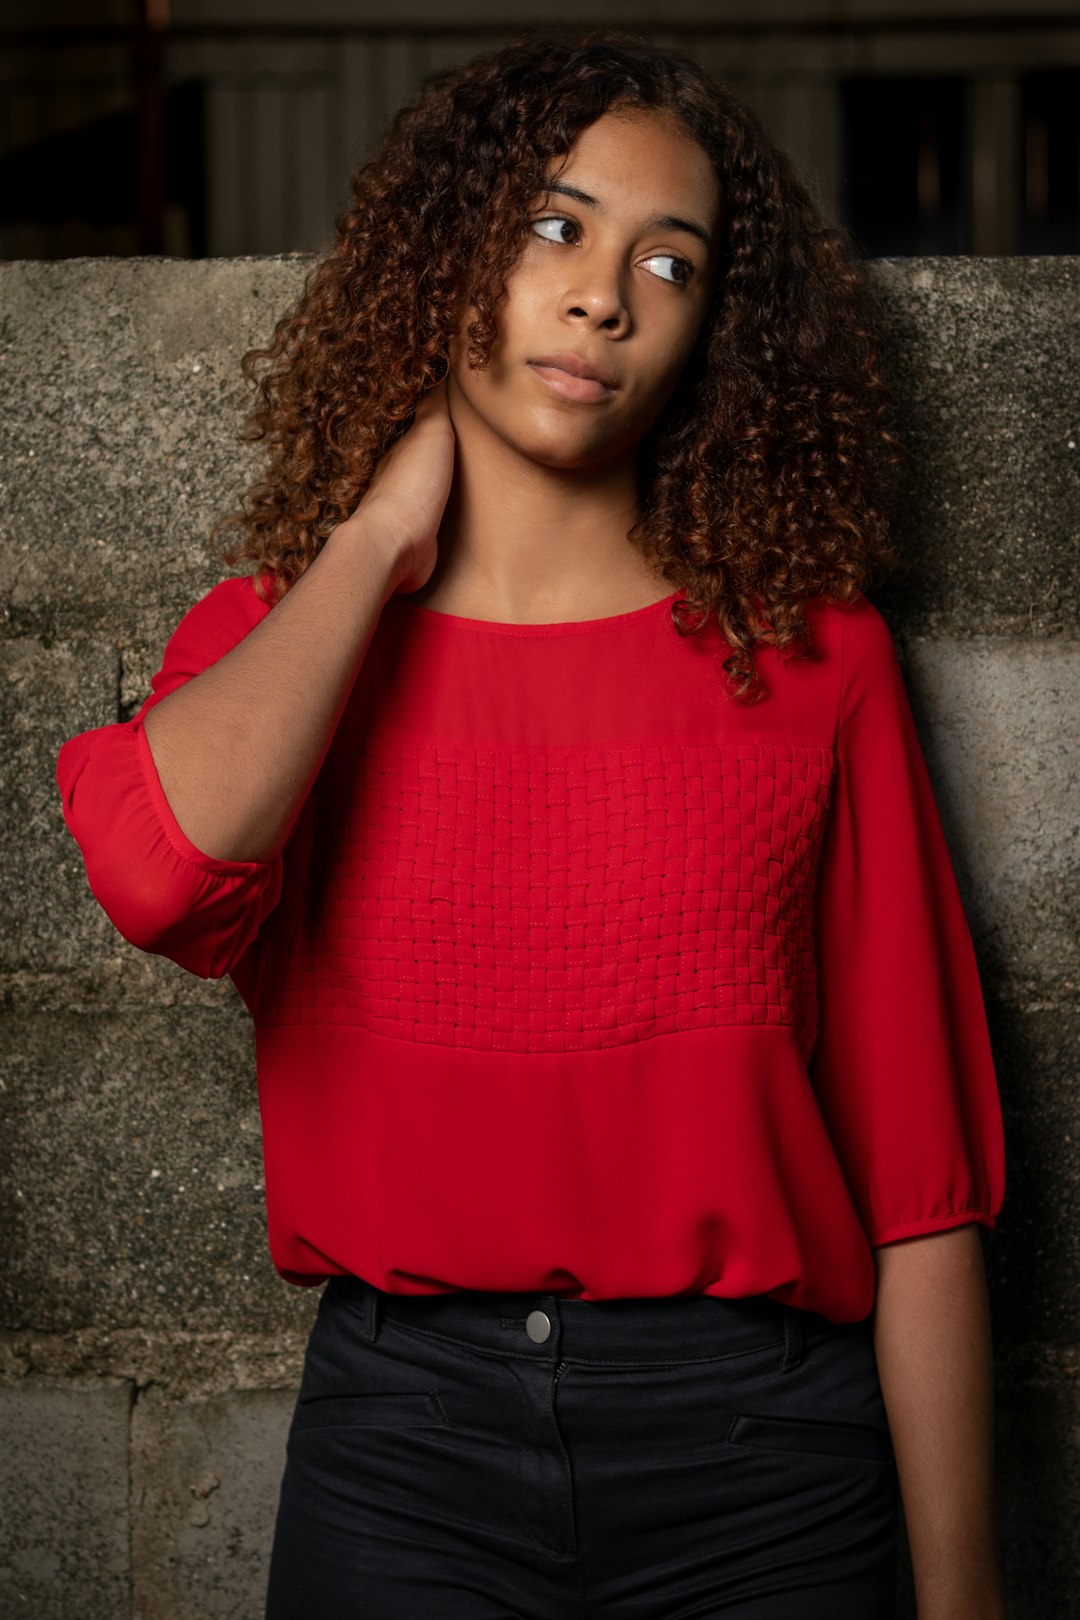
(902, 1067)
(181, 813)
(905, 1079)
(237, 748)
(933, 1345)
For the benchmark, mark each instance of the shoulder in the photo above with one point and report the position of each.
(855, 647)
(207, 632)
(857, 633)
(218, 620)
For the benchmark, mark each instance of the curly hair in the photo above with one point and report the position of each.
(763, 481)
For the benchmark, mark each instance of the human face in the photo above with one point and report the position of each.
(613, 275)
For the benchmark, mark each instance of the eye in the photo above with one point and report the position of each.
(684, 268)
(564, 230)
(561, 222)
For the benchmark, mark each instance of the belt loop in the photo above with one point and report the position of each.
(793, 1338)
(370, 1318)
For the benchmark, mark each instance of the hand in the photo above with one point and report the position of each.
(407, 495)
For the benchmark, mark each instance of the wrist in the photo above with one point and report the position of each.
(363, 536)
(975, 1600)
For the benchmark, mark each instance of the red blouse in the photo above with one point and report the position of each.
(577, 976)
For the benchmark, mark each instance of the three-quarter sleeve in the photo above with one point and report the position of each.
(902, 1066)
(162, 893)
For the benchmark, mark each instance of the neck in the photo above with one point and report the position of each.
(521, 542)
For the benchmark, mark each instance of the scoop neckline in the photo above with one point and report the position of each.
(547, 627)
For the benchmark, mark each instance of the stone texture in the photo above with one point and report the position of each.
(57, 947)
(131, 1176)
(205, 1478)
(983, 368)
(178, 1362)
(1037, 1434)
(132, 365)
(999, 721)
(47, 693)
(64, 1524)
(1033, 1255)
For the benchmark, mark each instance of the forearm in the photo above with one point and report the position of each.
(237, 747)
(933, 1345)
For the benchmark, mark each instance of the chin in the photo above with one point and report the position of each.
(569, 460)
(564, 452)
(563, 444)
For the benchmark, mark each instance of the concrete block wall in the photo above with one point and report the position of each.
(149, 1355)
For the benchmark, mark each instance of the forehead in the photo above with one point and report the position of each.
(643, 156)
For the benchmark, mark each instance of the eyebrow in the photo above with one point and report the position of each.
(663, 222)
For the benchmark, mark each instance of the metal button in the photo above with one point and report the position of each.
(538, 1326)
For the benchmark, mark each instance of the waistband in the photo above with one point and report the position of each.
(676, 1328)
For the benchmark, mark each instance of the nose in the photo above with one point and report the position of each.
(597, 294)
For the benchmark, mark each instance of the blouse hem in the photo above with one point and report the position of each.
(933, 1223)
(180, 842)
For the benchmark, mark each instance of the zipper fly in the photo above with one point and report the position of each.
(560, 1369)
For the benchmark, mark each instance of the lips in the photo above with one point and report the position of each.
(573, 377)
(576, 365)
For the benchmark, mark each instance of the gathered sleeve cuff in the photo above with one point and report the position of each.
(901, 1066)
(159, 890)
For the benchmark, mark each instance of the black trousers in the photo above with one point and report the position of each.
(493, 1456)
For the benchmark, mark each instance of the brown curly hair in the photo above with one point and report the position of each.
(760, 485)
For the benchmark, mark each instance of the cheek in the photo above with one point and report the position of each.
(687, 337)
(677, 358)
(669, 353)
(526, 316)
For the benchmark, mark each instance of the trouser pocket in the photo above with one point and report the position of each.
(828, 1404)
(812, 1436)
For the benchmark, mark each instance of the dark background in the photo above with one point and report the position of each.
(217, 128)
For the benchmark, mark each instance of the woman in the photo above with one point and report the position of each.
(551, 795)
